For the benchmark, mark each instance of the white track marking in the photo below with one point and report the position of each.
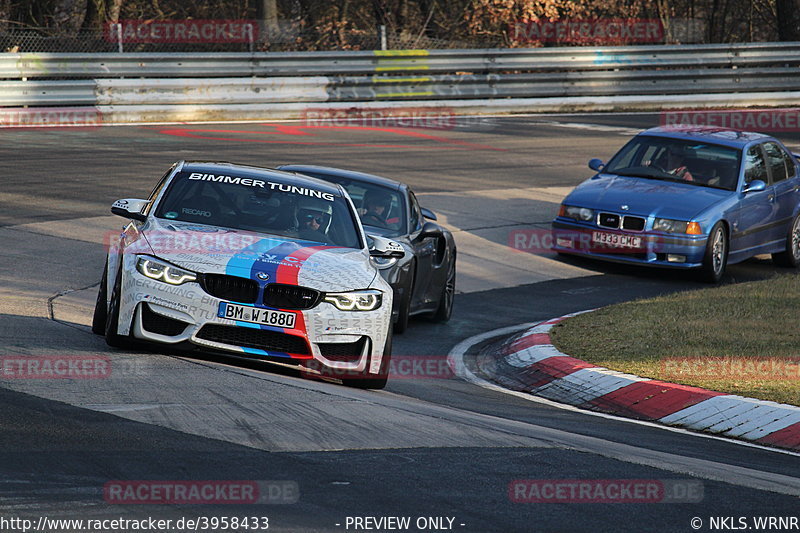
(457, 363)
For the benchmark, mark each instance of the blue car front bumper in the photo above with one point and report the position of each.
(642, 248)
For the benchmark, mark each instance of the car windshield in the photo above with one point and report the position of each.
(380, 208)
(261, 205)
(663, 158)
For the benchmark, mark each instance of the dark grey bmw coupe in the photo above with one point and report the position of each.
(424, 280)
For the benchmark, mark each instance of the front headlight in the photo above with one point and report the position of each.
(368, 300)
(578, 213)
(676, 226)
(162, 271)
(669, 225)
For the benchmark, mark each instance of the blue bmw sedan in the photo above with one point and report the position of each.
(684, 198)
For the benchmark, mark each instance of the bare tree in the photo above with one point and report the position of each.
(5, 14)
(68, 15)
(267, 13)
(788, 20)
(114, 8)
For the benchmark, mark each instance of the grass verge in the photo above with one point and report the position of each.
(741, 339)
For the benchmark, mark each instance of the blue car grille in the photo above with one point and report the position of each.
(615, 221)
(633, 223)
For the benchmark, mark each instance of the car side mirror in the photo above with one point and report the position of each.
(429, 229)
(754, 186)
(596, 164)
(129, 208)
(427, 213)
(385, 248)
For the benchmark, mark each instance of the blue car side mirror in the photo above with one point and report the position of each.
(596, 164)
(754, 186)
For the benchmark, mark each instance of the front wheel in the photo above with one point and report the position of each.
(790, 257)
(404, 306)
(445, 309)
(716, 256)
(101, 306)
(113, 338)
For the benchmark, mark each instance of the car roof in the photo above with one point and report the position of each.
(347, 174)
(217, 167)
(723, 136)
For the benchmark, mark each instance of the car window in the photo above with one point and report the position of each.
(416, 213)
(666, 158)
(776, 162)
(754, 166)
(377, 206)
(367, 197)
(256, 204)
(790, 165)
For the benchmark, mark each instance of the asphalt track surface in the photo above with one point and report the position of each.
(423, 447)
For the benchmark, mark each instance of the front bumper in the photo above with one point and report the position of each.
(343, 340)
(657, 249)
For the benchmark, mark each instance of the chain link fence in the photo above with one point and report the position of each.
(108, 40)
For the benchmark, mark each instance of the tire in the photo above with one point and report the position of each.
(445, 309)
(404, 307)
(101, 306)
(113, 338)
(790, 257)
(382, 378)
(716, 257)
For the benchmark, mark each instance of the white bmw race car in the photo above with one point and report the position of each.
(258, 262)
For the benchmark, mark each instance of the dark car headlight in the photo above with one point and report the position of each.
(162, 271)
(578, 213)
(668, 225)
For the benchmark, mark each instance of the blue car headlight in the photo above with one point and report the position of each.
(368, 300)
(578, 213)
(162, 271)
(670, 226)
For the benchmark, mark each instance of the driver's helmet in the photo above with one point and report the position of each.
(375, 198)
(316, 208)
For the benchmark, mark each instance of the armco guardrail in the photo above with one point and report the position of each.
(266, 85)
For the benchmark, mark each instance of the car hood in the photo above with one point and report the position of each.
(645, 197)
(264, 258)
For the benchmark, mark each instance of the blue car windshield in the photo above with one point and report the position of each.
(290, 210)
(696, 162)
